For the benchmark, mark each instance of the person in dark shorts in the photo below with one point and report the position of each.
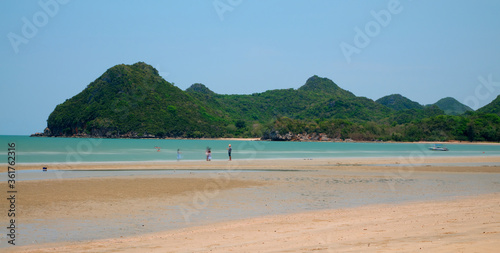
(229, 149)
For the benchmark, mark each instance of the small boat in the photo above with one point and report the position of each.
(438, 148)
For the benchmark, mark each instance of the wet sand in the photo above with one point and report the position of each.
(462, 223)
(486, 164)
(93, 198)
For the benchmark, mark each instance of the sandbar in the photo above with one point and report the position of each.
(474, 164)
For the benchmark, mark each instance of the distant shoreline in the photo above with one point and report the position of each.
(259, 139)
(143, 138)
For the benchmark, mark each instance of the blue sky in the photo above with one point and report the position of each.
(424, 50)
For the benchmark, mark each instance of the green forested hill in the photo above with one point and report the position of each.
(134, 101)
(318, 86)
(451, 106)
(399, 102)
(318, 98)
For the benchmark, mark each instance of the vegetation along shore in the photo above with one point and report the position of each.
(134, 101)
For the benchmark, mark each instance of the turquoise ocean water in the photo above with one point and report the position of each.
(81, 150)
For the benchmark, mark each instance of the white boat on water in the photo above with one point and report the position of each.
(438, 148)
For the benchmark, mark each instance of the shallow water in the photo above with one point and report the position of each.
(286, 192)
(80, 150)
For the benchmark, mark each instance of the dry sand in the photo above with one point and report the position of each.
(469, 224)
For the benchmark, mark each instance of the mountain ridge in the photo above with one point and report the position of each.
(133, 101)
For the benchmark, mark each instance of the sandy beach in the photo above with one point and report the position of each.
(449, 216)
(462, 225)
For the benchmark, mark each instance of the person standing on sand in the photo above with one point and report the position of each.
(229, 149)
(209, 154)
